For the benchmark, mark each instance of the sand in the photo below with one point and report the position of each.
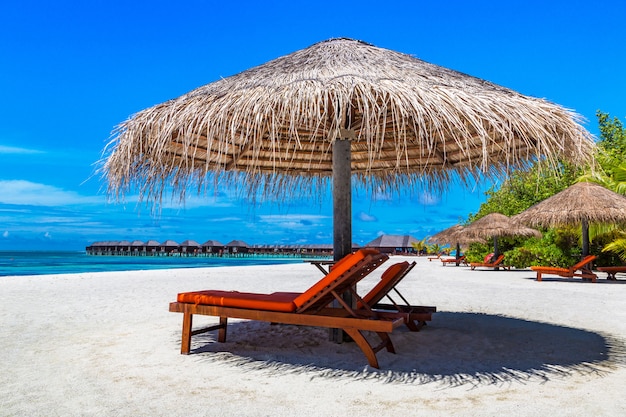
(104, 344)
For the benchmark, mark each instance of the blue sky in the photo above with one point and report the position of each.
(70, 71)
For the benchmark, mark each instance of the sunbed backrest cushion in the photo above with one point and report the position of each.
(387, 281)
(499, 259)
(341, 267)
(584, 262)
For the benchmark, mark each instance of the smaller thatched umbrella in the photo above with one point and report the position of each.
(446, 235)
(454, 235)
(495, 225)
(582, 203)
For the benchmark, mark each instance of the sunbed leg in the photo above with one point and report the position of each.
(185, 344)
(362, 342)
(221, 334)
(414, 325)
(538, 276)
(386, 342)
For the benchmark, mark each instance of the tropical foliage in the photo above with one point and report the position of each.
(560, 246)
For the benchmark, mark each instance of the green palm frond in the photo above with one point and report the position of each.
(618, 247)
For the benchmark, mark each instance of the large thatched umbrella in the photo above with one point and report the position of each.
(582, 203)
(339, 109)
(495, 225)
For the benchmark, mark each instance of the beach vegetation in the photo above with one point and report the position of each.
(612, 175)
(420, 246)
(560, 246)
(435, 249)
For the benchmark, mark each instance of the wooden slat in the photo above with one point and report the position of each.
(329, 317)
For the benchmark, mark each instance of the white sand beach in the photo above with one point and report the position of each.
(104, 344)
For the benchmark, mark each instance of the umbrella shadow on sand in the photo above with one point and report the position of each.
(455, 349)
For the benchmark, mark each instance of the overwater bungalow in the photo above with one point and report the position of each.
(189, 247)
(238, 247)
(213, 247)
(168, 247)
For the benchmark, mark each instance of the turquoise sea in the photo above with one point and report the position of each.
(45, 262)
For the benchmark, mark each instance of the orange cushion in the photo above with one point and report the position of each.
(547, 269)
(278, 301)
(380, 290)
(343, 265)
(267, 302)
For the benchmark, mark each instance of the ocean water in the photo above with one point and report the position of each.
(45, 263)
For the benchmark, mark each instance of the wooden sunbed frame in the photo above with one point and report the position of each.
(571, 272)
(495, 264)
(457, 261)
(313, 311)
(416, 316)
(611, 271)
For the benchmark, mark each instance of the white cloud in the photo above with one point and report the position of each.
(21, 192)
(363, 216)
(428, 199)
(14, 150)
(292, 221)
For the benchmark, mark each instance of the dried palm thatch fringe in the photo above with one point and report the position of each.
(272, 127)
(583, 201)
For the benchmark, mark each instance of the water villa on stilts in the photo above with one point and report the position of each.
(390, 244)
(210, 248)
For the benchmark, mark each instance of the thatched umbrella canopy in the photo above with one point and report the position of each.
(454, 235)
(495, 225)
(446, 235)
(582, 203)
(338, 109)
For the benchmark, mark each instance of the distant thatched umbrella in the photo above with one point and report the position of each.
(453, 235)
(446, 235)
(495, 225)
(340, 108)
(582, 203)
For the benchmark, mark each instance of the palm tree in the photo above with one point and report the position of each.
(435, 249)
(419, 246)
(618, 246)
(612, 175)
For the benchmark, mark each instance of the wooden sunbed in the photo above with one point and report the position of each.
(495, 264)
(309, 308)
(611, 271)
(457, 261)
(416, 316)
(584, 266)
(430, 258)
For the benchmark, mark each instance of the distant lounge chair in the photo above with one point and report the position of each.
(495, 264)
(309, 308)
(584, 266)
(611, 271)
(457, 261)
(416, 316)
(430, 258)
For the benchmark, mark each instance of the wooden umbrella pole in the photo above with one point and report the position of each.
(342, 199)
(342, 215)
(585, 237)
